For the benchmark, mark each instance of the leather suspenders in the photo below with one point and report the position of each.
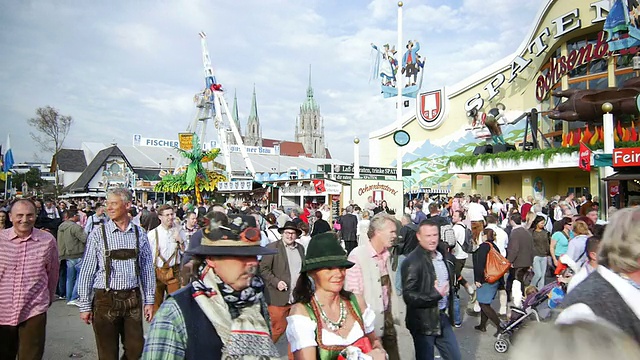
(165, 263)
(119, 254)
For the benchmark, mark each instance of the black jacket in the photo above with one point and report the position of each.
(419, 293)
(407, 239)
(320, 226)
(349, 226)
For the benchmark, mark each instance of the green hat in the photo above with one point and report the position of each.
(324, 251)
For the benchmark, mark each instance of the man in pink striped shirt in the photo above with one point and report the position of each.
(28, 279)
(371, 278)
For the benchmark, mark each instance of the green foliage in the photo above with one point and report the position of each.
(545, 154)
(32, 177)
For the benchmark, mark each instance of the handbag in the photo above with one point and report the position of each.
(496, 266)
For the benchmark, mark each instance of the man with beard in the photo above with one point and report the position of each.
(222, 314)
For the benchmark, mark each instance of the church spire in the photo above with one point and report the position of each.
(234, 111)
(254, 106)
(254, 133)
(310, 104)
(309, 89)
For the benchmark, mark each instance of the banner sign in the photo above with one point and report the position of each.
(138, 140)
(186, 138)
(235, 186)
(390, 191)
(584, 161)
(626, 157)
(365, 170)
(250, 149)
(186, 141)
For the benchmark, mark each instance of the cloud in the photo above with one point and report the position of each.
(133, 67)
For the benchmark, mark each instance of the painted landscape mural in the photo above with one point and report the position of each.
(428, 163)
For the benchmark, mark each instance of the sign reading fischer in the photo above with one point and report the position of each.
(626, 157)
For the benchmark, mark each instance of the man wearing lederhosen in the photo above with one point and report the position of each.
(116, 276)
(167, 245)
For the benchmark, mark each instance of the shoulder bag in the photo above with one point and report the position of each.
(496, 266)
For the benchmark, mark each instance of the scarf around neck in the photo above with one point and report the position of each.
(238, 316)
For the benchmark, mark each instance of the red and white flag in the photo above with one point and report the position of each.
(584, 161)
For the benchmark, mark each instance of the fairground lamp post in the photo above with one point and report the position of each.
(356, 158)
(170, 159)
(400, 85)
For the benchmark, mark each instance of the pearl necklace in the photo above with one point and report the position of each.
(333, 325)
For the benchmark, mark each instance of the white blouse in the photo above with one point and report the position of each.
(301, 331)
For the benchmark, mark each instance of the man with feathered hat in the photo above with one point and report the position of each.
(222, 314)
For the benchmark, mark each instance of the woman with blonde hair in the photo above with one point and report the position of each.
(612, 291)
(529, 220)
(577, 249)
(363, 228)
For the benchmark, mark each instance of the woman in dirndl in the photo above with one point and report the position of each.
(325, 320)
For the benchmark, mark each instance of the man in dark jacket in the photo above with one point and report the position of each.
(280, 272)
(427, 289)
(519, 252)
(348, 227)
(71, 244)
(320, 225)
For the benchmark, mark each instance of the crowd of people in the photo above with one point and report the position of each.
(229, 281)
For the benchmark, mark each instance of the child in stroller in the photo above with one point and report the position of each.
(538, 303)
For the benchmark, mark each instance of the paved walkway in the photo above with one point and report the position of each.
(69, 337)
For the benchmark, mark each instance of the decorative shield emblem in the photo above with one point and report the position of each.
(431, 108)
(430, 105)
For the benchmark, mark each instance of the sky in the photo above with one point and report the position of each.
(126, 67)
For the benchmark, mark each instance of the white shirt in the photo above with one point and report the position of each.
(301, 331)
(579, 277)
(547, 223)
(167, 243)
(502, 239)
(496, 207)
(476, 212)
(460, 233)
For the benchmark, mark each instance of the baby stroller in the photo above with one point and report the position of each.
(537, 305)
(528, 310)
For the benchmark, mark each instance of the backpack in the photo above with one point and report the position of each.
(448, 235)
(467, 246)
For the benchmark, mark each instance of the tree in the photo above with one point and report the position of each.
(32, 178)
(53, 128)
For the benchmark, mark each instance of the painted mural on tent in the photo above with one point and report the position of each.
(428, 162)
